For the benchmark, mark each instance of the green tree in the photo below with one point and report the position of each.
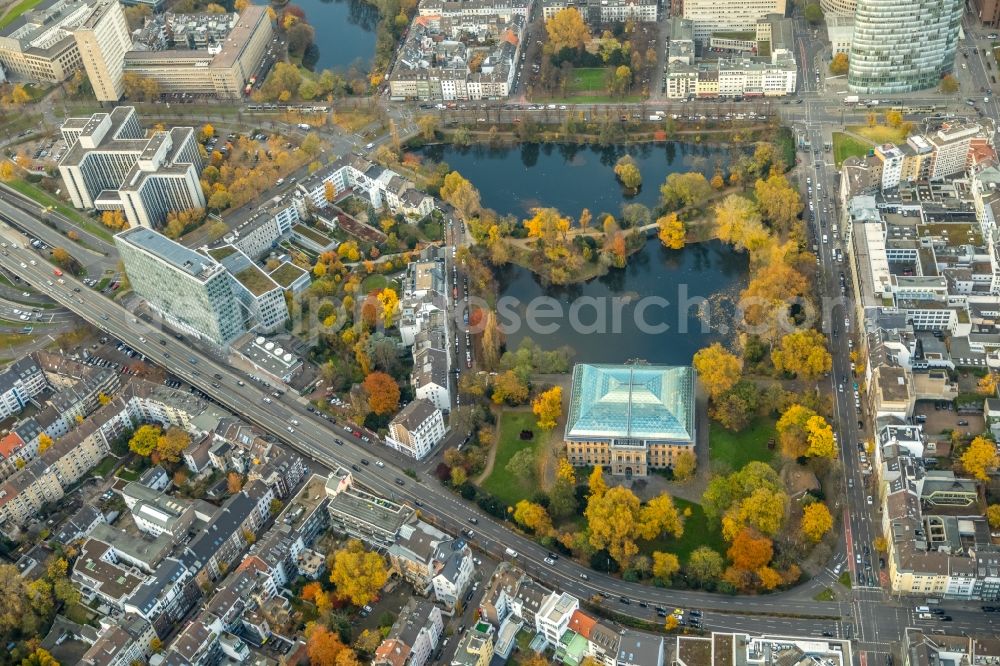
(704, 564)
(522, 465)
(813, 13)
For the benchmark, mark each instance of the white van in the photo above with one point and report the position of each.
(922, 609)
(510, 552)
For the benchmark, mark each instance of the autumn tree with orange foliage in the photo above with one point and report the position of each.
(383, 392)
(326, 649)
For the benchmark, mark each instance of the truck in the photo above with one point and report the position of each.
(852, 99)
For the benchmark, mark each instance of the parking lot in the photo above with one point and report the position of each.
(941, 418)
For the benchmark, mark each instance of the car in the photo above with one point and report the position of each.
(364, 461)
(945, 618)
(379, 463)
(400, 482)
(869, 499)
(963, 423)
(289, 429)
(474, 520)
(339, 441)
(552, 555)
(828, 634)
(624, 600)
(584, 576)
(550, 561)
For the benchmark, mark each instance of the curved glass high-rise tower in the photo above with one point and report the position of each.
(838, 7)
(902, 45)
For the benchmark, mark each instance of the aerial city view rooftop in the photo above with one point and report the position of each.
(485, 332)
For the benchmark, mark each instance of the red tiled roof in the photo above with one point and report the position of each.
(10, 443)
(582, 624)
(392, 651)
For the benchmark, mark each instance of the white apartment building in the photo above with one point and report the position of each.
(552, 619)
(382, 187)
(747, 77)
(711, 16)
(103, 39)
(111, 165)
(19, 383)
(432, 561)
(417, 429)
(413, 637)
(951, 149)
(604, 11)
(892, 165)
(430, 377)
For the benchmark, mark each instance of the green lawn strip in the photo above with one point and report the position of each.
(845, 146)
(26, 322)
(14, 339)
(46, 199)
(103, 468)
(845, 579)
(697, 532)
(826, 594)
(502, 484)
(16, 11)
(736, 449)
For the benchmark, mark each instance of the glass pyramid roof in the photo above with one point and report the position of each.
(650, 402)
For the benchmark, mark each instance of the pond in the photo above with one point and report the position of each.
(345, 33)
(671, 303)
(572, 177)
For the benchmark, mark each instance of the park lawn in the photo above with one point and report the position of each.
(16, 11)
(588, 79)
(736, 449)
(502, 484)
(374, 282)
(845, 145)
(353, 121)
(697, 532)
(46, 199)
(880, 133)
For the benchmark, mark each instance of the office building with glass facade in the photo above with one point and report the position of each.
(190, 290)
(902, 45)
(630, 418)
